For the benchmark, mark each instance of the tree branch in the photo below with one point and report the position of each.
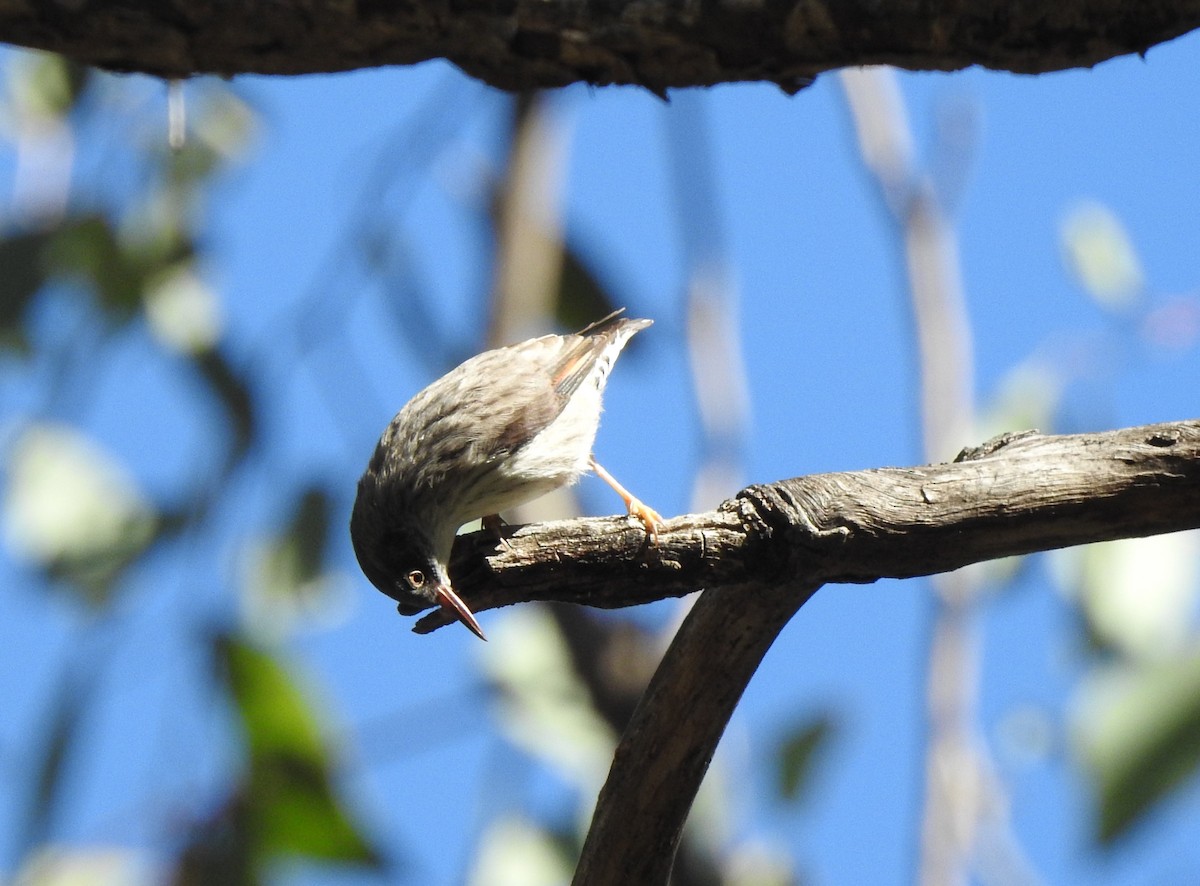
(1015, 495)
(524, 44)
(761, 555)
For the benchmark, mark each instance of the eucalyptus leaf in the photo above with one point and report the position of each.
(289, 796)
(21, 277)
(799, 752)
(1138, 732)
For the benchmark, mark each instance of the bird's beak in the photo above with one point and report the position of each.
(451, 603)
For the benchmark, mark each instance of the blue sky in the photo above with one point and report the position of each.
(830, 366)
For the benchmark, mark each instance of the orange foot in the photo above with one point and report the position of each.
(649, 517)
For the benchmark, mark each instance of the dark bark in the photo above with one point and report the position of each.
(524, 44)
(1012, 496)
(760, 556)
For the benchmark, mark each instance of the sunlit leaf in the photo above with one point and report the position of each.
(1027, 398)
(757, 863)
(291, 807)
(798, 754)
(225, 122)
(1101, 255)
(183, 312)
(63, 865)
(543, 706)
(298, 556)
(515, 852)
(73, 509)
(44, 84)
(220, 128)
(1137, 595)
(1138, 732)
(285, 578)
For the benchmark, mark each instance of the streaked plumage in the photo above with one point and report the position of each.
(501, 429)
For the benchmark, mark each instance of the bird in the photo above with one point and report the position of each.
(501, 429)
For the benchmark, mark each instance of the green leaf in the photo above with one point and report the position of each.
(232, 392)
(21, 277)
(74, 510)
(88, 248)
(799, 752)
(1139, 735)
(44, 84)
(582, 298)
(56, 746)
(1100, 253)
(1136, 595)
(291, 807)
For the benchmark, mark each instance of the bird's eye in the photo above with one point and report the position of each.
(416, 578)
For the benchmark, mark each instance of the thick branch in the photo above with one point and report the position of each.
(1146, 480)
(666, 749)
(760, 557)
(1018, 496)
(523, 44)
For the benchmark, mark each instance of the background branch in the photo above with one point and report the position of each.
(526, 44)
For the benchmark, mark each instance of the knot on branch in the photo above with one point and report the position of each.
(783, 538)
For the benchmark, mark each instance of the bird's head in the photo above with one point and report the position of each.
(403, 563)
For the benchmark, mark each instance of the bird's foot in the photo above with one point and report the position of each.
(649, 517)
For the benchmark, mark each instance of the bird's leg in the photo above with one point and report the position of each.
(495, 524)
(650, 518)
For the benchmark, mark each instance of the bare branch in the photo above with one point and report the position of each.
(666, 749)
(523, 44)
(1017, 495)
(1012, 496)
(763, 554)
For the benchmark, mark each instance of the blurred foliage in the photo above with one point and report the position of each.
(121, 257)
(58, 743)
(74, 510)
(128, 257)
(1099, 252)
(286, 803)
(89, 250)
(1135, 723)
(799, 753)
(284, 580)
(517, 852)
(582, 298)
(21, 259)
(1138, 732)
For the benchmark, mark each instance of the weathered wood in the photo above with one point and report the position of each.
(1029, 493)
(525, 44)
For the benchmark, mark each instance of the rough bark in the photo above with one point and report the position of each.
(523, 44)
(763, 554)
(1016, 495)
(760, 556)
(1010, 496)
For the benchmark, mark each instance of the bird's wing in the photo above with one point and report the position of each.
(562, 363)
(585, 350)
